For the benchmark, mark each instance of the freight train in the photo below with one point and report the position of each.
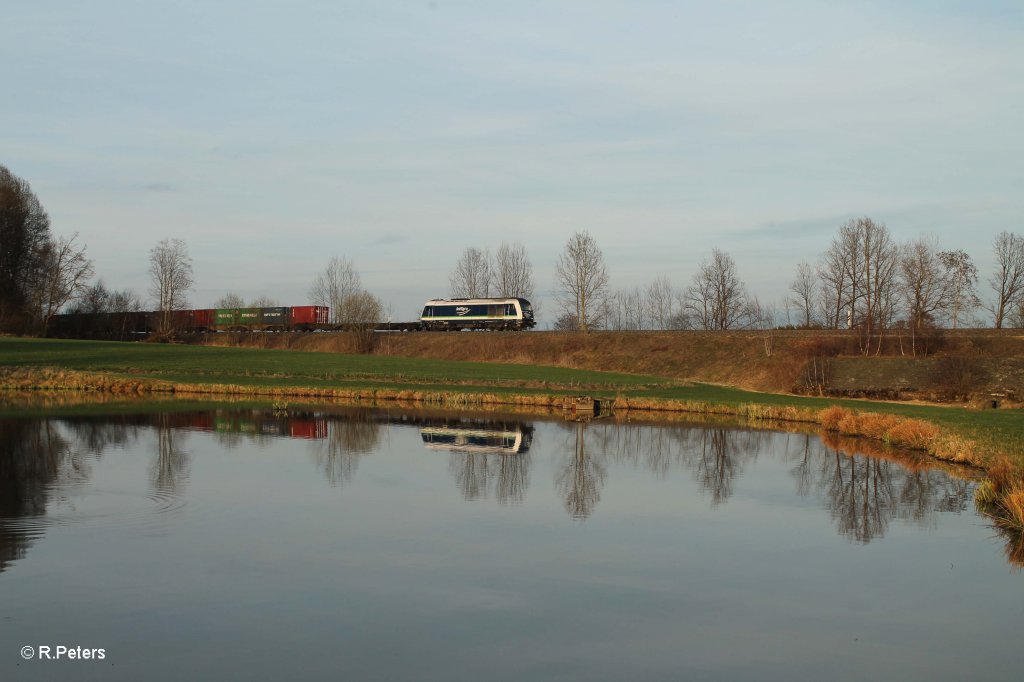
(134, 324)
(437, 315)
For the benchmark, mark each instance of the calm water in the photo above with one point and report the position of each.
(372, 545)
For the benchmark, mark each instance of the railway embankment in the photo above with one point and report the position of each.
(983, 368)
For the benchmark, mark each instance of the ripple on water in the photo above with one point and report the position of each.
(103, 509)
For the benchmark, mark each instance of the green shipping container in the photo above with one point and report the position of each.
(226, 317)
(247, 317)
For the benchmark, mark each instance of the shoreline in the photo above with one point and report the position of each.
(1000, 496)
(896, 431)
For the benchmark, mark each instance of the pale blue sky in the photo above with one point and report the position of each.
(271, 137)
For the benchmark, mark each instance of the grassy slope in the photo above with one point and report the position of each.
(205, 364)
(997, 430)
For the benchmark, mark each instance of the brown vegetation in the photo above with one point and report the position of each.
(972, 365)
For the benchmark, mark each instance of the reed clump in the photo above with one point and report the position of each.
(901, 432)
(1001, 496)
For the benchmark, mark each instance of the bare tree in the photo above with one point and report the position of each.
(61, 275)
(661, 303)
(124, 301)
(764, 317)
(717, 298)
(1016, 315)
(841, 273)
(361, 312)
(804, 288)
(361, 308)
(229, 300)
(335, 283)
(1008, 279)
(170, 270)
(94, 299)
(264, 302)
(24, 232)
(682, 317)
(881, 262)
(513, 272)
(626, 310)
(473, 274)
(962, 277)
(926, 289)
(583, 277)
(566, 322)
(858, 275)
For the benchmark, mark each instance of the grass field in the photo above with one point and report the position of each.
(242, 366)
(997, 431)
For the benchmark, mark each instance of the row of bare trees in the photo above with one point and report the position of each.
(715, 299)
(865, 280)
(507, 274)
(40, 273)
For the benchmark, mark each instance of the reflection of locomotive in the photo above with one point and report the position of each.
(467, 435)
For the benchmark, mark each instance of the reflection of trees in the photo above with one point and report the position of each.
(581, 478)
(32, 457)
(348, 439)
(96, 435)
(715, 455)
(716, 465)
(171, 468)
(864, 494)
(480, 475)
(860, 495)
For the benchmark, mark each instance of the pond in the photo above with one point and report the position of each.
(370, 544)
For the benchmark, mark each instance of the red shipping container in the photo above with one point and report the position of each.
(202, 319)
(202, 421)
(311, 429)
(181, 320)
(309, 316)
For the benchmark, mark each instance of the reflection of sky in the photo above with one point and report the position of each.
(392, 574)
(398, 134)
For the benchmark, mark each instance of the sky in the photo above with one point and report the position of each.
(271, 136)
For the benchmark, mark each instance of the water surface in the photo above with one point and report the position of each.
(387, 545)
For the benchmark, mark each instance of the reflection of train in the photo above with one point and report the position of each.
(477, 313)
(507, 438)
(260, 423)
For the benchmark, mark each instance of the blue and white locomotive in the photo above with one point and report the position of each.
(477, 313)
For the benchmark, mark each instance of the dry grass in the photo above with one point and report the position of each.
(1001, 496)
(894, 430)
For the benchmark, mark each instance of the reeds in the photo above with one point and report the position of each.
(901, 432)
(1001, 496)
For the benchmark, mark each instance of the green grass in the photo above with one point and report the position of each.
(1000, 430)
(207, 364)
